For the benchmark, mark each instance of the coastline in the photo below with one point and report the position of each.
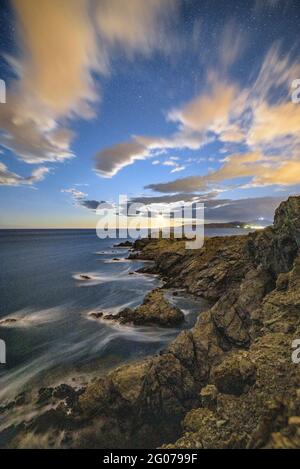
(227, 382)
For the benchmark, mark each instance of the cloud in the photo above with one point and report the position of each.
(273, 122)
(52, 82)
(80, 199)
(175, 198)
(8, 178)
(207, 109)
(193, 121)
(261, 117)
(231, 43)
(61, 46)
(135, 25)
(178, 168)
(188, 184)
(285, 173)
(110, 160)
(277, 70)
(217, 210)
(173, 162)
(169, 163)
(232, 134)
(90, 204)
(262, 170)
(59, 52)
(245, 210)
(32, 137)
(76, 194)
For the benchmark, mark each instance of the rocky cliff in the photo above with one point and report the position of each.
(227, 383)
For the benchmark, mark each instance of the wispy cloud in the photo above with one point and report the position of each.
(76, 194)
(261, 117)
(61, 45)
(109, 161)
(175, 198)
(80, 199)
(261, 169)
(217, 210)
(90, 204)
(135, 25)
(178, 169)
(8, 178)
(169, 163)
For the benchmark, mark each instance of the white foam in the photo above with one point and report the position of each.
(110, 252)
(27, 317)
(120, 260)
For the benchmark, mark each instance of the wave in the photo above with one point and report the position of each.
(110, 252)
(120, 260)
(96, 278)
(28, 317)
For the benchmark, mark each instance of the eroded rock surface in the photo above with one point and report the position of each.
(229, 382)
(155, 309)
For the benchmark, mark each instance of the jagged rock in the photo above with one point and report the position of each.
(250, 418)
(63, 391)
(235, 374)
(281, 307)
(282, 282)
(8, 321)
(241, 346)
(96, 315)
(124, 244)
(85, 277)
(155, 309)
(208, 396)
(276, 247)
(44, 395)
(20, 399)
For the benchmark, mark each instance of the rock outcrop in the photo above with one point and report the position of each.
(155, 309)
(229, 382)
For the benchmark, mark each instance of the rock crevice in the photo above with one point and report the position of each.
(229, 382)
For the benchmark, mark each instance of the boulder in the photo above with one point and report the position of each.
(155, 309)
(235, 374)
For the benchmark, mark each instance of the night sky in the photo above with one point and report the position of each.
(162, 100)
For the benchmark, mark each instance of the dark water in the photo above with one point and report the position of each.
(40, 287)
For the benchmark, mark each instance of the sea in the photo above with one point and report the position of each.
(50, 283)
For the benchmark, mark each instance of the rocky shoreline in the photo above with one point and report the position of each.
(155, 310)
(229, 382)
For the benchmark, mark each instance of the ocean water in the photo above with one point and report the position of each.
(51, 333)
